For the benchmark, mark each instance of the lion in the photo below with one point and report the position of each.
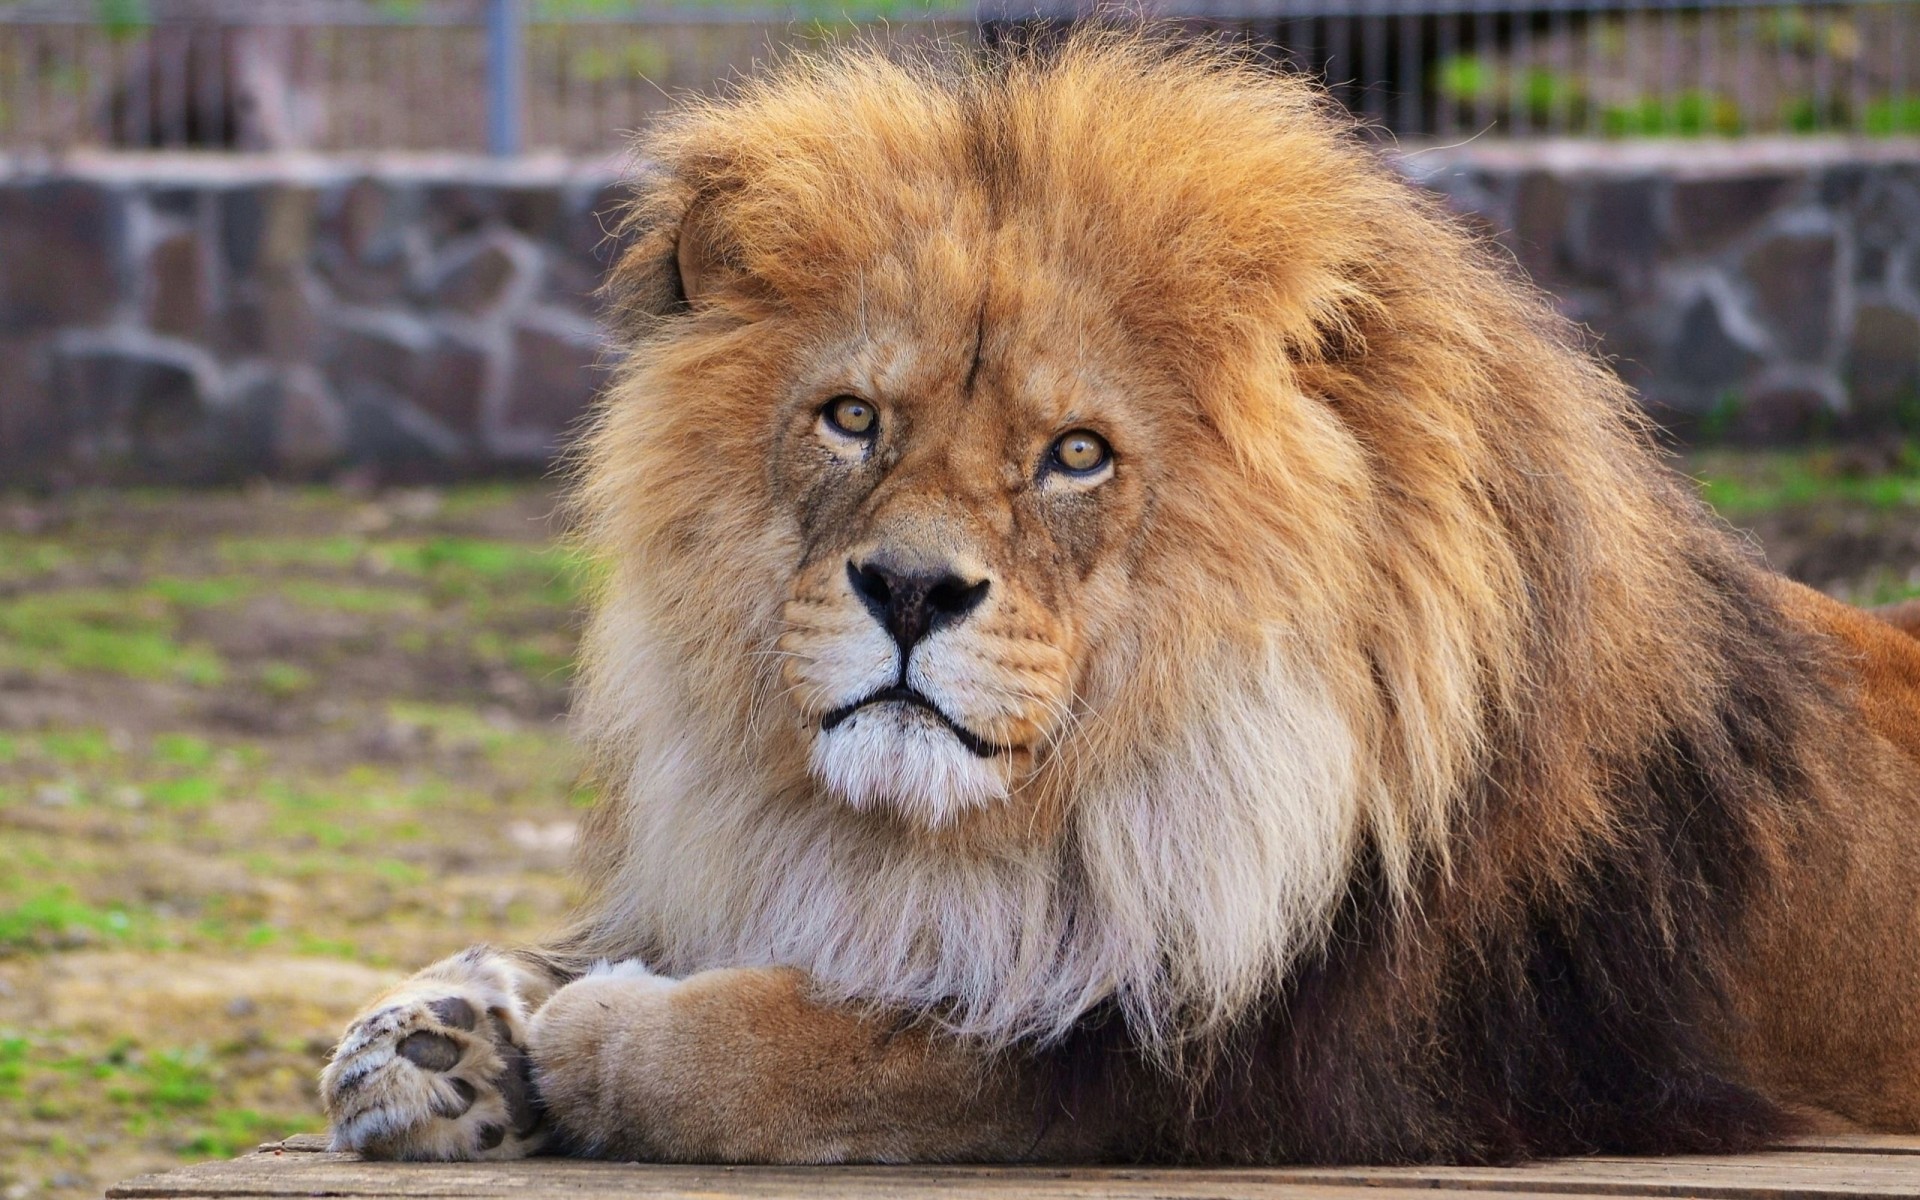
(1130, 634)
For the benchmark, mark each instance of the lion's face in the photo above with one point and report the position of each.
(1055, 519)
(957, 490)
(962, 543)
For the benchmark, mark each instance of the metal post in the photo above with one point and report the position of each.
(506, 71)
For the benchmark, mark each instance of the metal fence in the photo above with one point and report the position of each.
(579, 75)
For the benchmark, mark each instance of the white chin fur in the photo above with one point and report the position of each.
(899, 756)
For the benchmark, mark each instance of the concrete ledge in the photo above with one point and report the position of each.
(175, 168)
(1675, 158)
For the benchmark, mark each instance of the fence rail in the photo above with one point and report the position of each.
(579, 75)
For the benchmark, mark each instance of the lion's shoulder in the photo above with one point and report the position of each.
(1884, 649)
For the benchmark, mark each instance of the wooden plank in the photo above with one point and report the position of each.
(1856, 1143)
(1756, 1177)
(346, 1176)
(823, 1184)
(1816, 1168)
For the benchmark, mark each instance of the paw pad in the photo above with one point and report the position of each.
(455, 1012)
(429, 1051)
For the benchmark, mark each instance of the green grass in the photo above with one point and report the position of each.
(452, 568)
(183, 750)
(55, 917)
(216, 592)
(285, 679)
(1800, 479)
(167, 1081)
(232, 1132)
(13, 1066)
(26, 558)
(126, 633)
(193, 791)
(74, 747)
(167, 1088)
(316, 553)
(350, 598)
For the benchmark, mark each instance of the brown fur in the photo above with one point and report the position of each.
(1385, 757)
(1830, 991)
(1904, 616)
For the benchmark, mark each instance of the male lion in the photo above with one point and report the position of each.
(1131, 635)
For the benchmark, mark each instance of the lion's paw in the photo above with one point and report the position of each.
(437, 1070)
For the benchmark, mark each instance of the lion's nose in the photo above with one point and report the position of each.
(911, 604)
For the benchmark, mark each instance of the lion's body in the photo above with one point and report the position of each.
(1828, 986)
(1357, 746)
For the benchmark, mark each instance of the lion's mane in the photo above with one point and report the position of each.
(1447, 730)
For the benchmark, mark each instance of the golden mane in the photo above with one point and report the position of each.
(1439, 542)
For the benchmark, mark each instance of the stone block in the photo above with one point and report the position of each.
(450, 382)
(309, 427)
(61, 245)
(361, 250)
(1621, 233)
(266, 228)
(1793, 282)
(128, 389)
(1779, 414)
(387, 356)
(587, 250)
(140, 413)
(475, 280)
(33, 427)
(1888, 215)
(1471, 193)
(181, 202)
(1883, 366)
(554, 381)
(441, 376)
(176, 279)
(455, 210)
(1871, 265)
(535, 212)
(387, 435)
(593, 228)
(1704, 356)
(1542, 204)
(1842, 185)
(1708, 214)
(271, 317)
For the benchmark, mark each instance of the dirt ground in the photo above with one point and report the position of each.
(261, 752)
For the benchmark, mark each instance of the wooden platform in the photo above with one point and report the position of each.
(1816, 1167)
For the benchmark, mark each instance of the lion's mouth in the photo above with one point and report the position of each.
(902, 694)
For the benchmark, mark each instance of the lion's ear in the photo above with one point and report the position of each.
(674, 258)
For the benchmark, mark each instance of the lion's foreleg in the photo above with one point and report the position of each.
(741, 1066)
(436, 1068)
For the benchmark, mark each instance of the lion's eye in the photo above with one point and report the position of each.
(1081, 452)
(851, 415)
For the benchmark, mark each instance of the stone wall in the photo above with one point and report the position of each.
(1762, 291)
(205, 320)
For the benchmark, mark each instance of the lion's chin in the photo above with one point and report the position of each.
(899, 757)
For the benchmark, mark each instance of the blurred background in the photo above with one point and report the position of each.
(297, 306)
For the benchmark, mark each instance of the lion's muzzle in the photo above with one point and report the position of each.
(911, 604)
(901, 694)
